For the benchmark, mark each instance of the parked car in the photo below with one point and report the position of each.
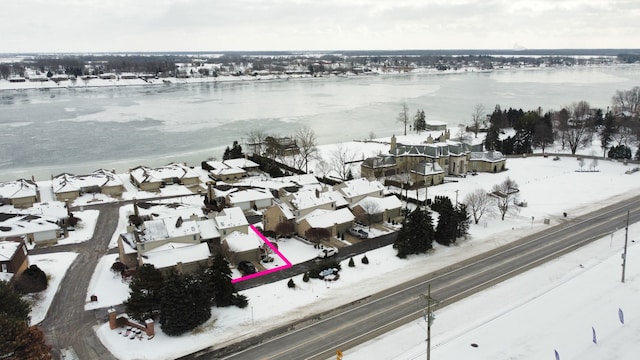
(327, 252)
(359, 233)
(246, 267)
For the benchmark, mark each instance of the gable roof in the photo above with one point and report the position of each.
(21, 224)
(306, 199)
(427, 168)
(488, 156)
(231, 217)
(172, 253)
(241, 163)
(8, 249)
(143, 174)
(239, 242)
(326, 218)
(249, 195)
(18, 189)
(359, 187)
(382, 203)
(66, 182)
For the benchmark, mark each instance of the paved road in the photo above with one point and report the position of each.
(67, 324)
(320, 337)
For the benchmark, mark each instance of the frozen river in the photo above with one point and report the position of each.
(84, 129)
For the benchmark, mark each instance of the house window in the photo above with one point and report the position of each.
(4, 268)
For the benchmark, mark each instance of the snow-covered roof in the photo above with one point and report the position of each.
(239, 242)
(286, 211)
(208, 229)
(381, 203)
(20, 224)
(18, 189)
(300, 180)
(488, 156)
(242, 196)
(7, 249)
(427, 168)
(228, 171)
(231, 217)
(172, 253)
(359, 187)
(326, 218)
(66, 182)
(144, 174)
(306, 199)
(162, 229)
(241, 163)
(217, 165)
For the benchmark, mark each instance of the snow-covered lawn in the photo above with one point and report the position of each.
(551, 308)
(106, 285)
(55, 265)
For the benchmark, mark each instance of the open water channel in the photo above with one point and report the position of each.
(79, 130)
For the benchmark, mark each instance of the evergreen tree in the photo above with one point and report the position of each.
(176, 305)
(416, 235)
(16, 336)
(21, 341)
(492, 138)
(419, 121)
(447, 223)
(464, 219)
(227, 154)
(619, 152)
(12, 305)
(608, 129)
(218, 284)
(144, 293)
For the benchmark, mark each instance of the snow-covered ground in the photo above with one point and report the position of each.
(55, 265)
(549, 187)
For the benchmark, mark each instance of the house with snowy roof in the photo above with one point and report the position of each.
(238, 246)
(250, 199)
(35, 229)
(335, 221)
(220, 171)
(19, 193)
(13, 258)
(308, 200)
(430, 161)
(278, 213)
(231, 219)
(373, 209)
(171, 242)
(148, 179)
(357, 189)
(242, 163)
(69, 187)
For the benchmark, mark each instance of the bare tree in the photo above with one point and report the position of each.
(478, 118)
(506, 195)
(624, 130)
(478, 203)
(403, 117)
(369, 209)
(462, 133)
(561, 126)
(256, 141)
(306, 140)
(341, 158)
(627, 101)
(580, 128)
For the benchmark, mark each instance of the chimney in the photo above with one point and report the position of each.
(135, 208)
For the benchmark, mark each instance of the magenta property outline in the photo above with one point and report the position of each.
(268, 271)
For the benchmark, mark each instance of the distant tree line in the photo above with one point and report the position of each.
(572, 127)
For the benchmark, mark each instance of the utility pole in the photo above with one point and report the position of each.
(624, 254)
(457, 197)
(429, 317)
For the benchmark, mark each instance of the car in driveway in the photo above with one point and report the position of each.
(246, 267)
(327, 252)
(359, 233)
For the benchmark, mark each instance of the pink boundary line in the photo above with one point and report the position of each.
(269, 271)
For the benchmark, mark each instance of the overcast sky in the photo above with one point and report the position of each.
(218, 25)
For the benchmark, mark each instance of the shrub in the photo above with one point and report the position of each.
(319, 267)
(305, 277)
(351, 263)
(365, 260)
(291, 284)
(118, 267)
(32, 280)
